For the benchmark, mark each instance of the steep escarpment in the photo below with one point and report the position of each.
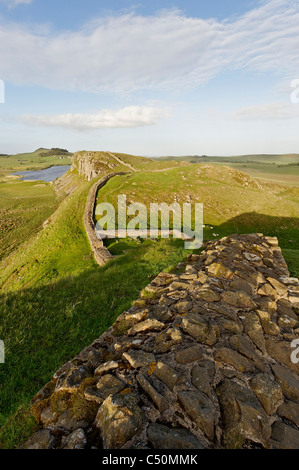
(204, 359)
(94, 164)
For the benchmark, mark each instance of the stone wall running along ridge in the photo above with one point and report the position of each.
(100, 252)
(202, 361)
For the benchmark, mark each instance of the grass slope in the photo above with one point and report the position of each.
(284, 159)
(282, 169)
(284, 174)
(55, 300)
(24, 206)
(40, 159)
(233, 202)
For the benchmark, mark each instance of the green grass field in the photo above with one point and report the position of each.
(281, 174)
(40, 159)
(232, 202)
(225, 193)
(55, 299)
(282, 169)
(24, 206)
(58, 301)
(277, 159)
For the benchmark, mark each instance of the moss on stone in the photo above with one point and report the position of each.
(38, 407)
(120, 328)
(80, 409)
(60, 402)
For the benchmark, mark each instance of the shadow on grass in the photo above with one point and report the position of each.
(44, 327)
(286, 229)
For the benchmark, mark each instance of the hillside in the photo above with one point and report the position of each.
(37, 160)
(24, 206)
(233, 201)
(282, 169)
(202, 362)
(283, 159)
(55, 299)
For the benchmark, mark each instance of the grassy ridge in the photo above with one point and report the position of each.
(284, 159)
(283, 174)
(233, 202)
(40, 159)
(225, 193)
(282, 169)
(55, 300)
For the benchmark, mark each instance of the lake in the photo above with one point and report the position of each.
(49, 174)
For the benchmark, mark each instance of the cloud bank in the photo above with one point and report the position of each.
(170, 50)
(130, 116)
(269, 111)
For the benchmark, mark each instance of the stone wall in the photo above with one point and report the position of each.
(202, 360)
(100, 252)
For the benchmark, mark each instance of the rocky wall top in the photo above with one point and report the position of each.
(204, 359)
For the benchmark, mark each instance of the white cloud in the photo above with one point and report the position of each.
(14, 3)
(130, 116)
(269, 111)
(120, 53)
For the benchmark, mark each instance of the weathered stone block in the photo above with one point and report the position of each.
(200, 409)
(243, 416)
(267, 391)
(163, 437)
(234, 359)
(119, 419)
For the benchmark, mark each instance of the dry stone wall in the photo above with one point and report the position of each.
(202, 360)
(100, 252)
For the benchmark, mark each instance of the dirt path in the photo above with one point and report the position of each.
(122, 162)
(164, 169)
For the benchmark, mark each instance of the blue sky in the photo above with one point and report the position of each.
(150, 78)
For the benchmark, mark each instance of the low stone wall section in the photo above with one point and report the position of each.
(100, 252)
(205, 358)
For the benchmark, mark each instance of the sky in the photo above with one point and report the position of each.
(153, 78)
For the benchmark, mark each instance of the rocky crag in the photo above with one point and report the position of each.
(92, 164)
(204, 359)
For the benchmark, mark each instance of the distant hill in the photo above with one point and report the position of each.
(278, 168)
(53, 151)
(37, 160)
(284, 159)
